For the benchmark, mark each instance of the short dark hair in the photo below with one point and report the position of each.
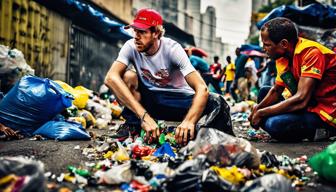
(216, 58)
(228, 59)
(281, 28)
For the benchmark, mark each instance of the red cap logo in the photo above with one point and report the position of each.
(146, 18)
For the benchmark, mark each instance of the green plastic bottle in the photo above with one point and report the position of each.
(324, 163)
(81, 172)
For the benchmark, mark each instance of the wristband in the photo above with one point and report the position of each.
(143, 117)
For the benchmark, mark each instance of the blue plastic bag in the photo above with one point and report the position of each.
(62, 131)
(315, 15)
(32, 102)
(164, 149)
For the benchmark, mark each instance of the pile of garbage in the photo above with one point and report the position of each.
(215, 161)
(222, 163)
(56, 110)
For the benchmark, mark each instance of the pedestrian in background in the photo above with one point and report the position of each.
(216, 74)
(229, 75)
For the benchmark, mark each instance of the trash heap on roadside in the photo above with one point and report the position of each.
(41, 108)
(52, 109)
(214, 161)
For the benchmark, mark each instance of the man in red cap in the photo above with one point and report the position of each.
(165, 85)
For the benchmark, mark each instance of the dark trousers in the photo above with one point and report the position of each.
(233, 88)
(171, 106)
(293, 126)
(228, 87)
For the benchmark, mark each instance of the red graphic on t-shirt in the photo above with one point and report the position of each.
(161, 78)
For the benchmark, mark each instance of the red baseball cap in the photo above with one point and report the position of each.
(146, 18)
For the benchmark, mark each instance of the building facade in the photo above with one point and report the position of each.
(69, 40)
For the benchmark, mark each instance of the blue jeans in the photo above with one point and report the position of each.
(171, 106)
(293, 126)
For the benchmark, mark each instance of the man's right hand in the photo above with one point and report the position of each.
(151, 127)
(254, 109)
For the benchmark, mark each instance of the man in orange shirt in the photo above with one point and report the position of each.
(307, 70)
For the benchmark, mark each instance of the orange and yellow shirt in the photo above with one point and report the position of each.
(230, 72)
(312, 59)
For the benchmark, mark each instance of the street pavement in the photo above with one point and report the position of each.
(57, 155)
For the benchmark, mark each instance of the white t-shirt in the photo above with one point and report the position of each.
(251, 64)
(163, 71)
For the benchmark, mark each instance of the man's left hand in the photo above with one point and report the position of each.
(185, 129)
(10, 133)
(256, 119)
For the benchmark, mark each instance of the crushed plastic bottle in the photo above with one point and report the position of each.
(81, 172)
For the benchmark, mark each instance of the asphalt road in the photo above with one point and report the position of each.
(58, 155)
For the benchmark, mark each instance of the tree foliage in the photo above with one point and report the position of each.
(277, 3)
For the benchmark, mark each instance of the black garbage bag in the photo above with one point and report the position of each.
(269, 183)
(269, 159)
(195, 175)
(186, 181)
(224, 150)
(32, 173)
(212, 182)
(188, 176)
(141, 168)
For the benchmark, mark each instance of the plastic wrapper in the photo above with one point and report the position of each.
(116, 175)
(32, 102)
(27, 175)
(116, 109)
(80, 120)
(80, 94)
(269, 183)
(121, 154)
(141, 151)
(90, 120)
(99, 111)
(11, 59)
(224, 150)
(324, 163)
(63, 131)
(231, 175)
(165, 149)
